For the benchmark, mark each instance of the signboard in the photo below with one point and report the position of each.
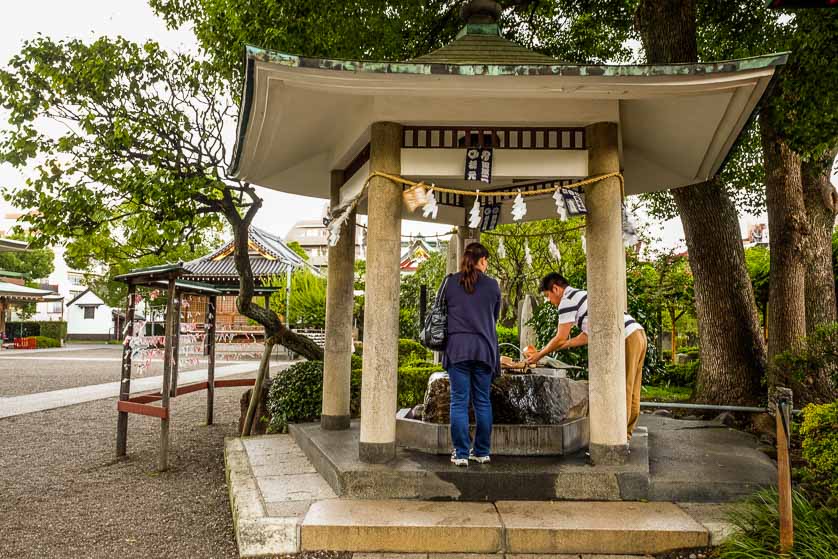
(479, 164)
(490, 213)
(574, 201)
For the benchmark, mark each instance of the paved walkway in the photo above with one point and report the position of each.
(19, 405)
(6, 353)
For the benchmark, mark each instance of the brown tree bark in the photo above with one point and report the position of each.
(821, 201)
(731, 348)
(274, 327)
(787, 223)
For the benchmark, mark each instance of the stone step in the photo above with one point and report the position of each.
(511, 527)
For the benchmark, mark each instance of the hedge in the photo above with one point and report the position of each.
(56, 329)
(44, 341)
(820, 450)
(296, 394)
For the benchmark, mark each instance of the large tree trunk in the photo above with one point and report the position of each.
(821, 202)
(731, 348)
(788, 227)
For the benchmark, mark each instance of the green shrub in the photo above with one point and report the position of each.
(690, 351)
(674, 375)
(411, 351)
(408, 324)
(308, 300)
(820, 450)
(296, 395)
(413, 382)
(818, 355)
(757, 536)
(508, 336)
(357, 362)
(56, 329)
(43, 341)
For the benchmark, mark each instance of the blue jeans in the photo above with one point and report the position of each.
(470, 380)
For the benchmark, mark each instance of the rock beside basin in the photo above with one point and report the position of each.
(543, 397)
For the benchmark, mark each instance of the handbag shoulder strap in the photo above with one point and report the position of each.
(440, 295)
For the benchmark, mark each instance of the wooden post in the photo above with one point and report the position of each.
(176, 343)
(782, 404)
(423, 304)
(125, 384)
(168, 352)
(3, 304)
(210, 357)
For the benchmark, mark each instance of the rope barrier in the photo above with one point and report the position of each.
(340, 213)
(533, 235)
(500, 193)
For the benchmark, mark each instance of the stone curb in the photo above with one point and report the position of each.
(257, 534)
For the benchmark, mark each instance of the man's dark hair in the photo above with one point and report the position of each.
(551, 279)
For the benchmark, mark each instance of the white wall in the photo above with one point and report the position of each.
(100, 324)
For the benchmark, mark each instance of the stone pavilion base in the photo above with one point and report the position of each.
(281, 505)
(507, 440)
(419, 475)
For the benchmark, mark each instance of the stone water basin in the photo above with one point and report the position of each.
(541, 413)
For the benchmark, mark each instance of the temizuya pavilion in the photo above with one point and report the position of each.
(319, 127)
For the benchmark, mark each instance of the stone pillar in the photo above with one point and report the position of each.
(526, 333)
(337, 355)
(381, 305)
(452, 261)
(606, 361)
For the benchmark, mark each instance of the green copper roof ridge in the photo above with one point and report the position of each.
(255, 54)
(260, 54)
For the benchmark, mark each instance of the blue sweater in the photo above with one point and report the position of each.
(472, 317)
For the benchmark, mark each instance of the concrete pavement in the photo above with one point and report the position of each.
(19, 405)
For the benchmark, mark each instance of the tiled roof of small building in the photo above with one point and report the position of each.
(481, 44)
(280, 259)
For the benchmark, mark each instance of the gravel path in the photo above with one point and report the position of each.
(62, 494)
(43, 372)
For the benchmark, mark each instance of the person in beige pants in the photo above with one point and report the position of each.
(635, 355)
(573, 311)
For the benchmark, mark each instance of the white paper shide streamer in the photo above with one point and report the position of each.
(584, 245)
(527, 253)
(338, 217)
(474, 214)
(630, 237)
(560, 205)
(501, 249)
(334, 227)
(519, 208)
(554, 250)
(430, 208)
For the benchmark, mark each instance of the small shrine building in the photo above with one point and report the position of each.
(333, 128)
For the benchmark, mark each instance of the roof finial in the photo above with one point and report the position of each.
(481, 11)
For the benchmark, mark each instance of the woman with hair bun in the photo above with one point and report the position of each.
(471, 354)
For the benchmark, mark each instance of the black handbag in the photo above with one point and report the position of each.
(434, 332)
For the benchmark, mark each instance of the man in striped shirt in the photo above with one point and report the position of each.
(573, 311)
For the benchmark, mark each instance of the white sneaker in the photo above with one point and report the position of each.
(459, 462)
(479, 459)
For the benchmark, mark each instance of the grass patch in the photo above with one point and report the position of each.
(757, 535)
(665, 393)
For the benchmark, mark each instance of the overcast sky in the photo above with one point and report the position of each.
(134, 20)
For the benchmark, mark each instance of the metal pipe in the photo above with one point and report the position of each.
(709, 407)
